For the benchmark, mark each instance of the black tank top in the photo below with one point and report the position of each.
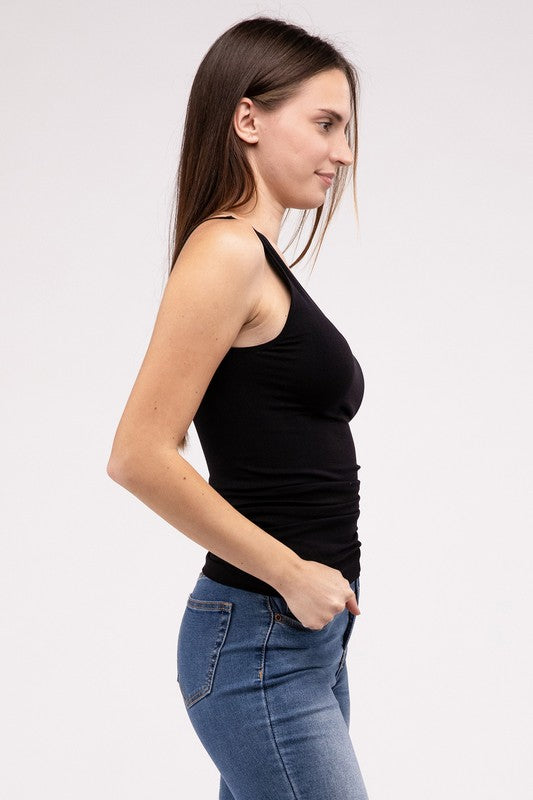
(274, 428)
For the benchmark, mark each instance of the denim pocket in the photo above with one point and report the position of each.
(283, 614)
(201, 636)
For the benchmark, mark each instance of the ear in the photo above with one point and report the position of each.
(245, 121)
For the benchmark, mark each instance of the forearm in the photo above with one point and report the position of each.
(170, 486)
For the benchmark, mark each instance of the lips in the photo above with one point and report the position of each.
(327, 177)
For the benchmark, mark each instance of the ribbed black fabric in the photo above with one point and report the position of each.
(274, 429)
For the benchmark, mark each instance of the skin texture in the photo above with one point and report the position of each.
(220, 291)
(287, 147)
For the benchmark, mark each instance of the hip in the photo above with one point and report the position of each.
(232, 642)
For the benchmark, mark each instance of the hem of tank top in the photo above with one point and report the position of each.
(255, 582)
(251, 581)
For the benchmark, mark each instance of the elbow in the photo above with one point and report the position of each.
(113, 470)
(134, 467)
(119, 469)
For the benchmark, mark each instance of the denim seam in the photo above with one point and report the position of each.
(208, 605)
(263, 687)
(347, 636)
(225, 608)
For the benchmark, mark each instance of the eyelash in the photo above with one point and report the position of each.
(325, 123)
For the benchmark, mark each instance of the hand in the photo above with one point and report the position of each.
(315, 593)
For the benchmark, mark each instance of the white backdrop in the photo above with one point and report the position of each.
(432, 292)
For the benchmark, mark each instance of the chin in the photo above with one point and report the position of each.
(311, 206)
(305, 204)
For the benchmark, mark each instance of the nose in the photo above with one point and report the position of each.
(342, 152)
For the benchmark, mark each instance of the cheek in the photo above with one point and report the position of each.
(310, 152)
(284, 160)
(294, 149)
(291, 156)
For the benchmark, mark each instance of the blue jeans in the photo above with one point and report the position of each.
(268, 697)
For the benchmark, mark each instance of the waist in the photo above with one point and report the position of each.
(321, 497)
(315, 519)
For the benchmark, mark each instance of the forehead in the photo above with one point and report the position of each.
(326, 90)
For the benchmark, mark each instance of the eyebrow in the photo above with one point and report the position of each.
(334, 114)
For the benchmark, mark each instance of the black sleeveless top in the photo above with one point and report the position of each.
(274, 429)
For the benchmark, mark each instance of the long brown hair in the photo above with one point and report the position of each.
(266, 60)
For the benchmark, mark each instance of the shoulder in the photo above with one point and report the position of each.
(222, 263)
(232, 243)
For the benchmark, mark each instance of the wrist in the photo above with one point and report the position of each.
(291, 567)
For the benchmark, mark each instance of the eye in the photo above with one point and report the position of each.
(325, 123)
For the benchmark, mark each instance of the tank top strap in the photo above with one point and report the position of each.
(270, 249)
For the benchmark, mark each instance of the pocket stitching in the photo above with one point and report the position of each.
(208, 605)
(279, 616)
(292, 622)
(225, 608)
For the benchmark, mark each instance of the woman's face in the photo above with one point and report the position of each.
(288, 147)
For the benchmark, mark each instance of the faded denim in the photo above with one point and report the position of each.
(268, 697)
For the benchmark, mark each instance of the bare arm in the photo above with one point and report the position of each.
(212, 291)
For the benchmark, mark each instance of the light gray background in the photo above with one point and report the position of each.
(433, 292)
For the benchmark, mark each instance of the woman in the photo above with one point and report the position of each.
(241, 349)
